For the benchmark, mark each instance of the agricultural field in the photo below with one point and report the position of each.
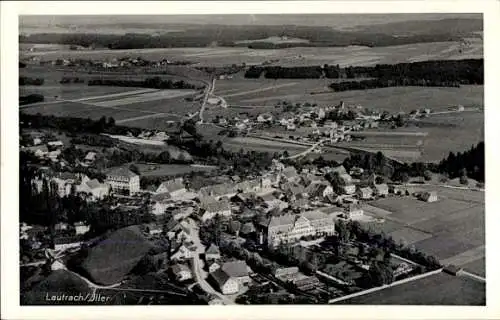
(438, 289)
(451, 229)
(152, 170)
(344, 56)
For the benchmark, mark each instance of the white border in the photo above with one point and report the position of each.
(9, 158)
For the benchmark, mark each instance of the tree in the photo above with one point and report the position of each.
(134, 169)
(427, 175)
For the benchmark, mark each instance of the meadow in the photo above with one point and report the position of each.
(438, 289)
(344, 56)
(451, 229)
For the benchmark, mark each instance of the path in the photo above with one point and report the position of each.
(304, 153)
(197, 263)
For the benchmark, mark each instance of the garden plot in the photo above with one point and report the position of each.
(409, 235)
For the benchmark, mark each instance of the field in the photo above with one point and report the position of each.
(344, 56)
(151, 170)
(451, 229)
(439, 289)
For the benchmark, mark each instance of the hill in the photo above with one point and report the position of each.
(114, 257)
(58, 282)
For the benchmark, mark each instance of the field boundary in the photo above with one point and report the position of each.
(395, 283)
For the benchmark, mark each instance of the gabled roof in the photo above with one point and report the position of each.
(171, 185)
(235, 268)
(283, 220)
(220, 277)
(213, 249)
(221, 205)
(122, 172)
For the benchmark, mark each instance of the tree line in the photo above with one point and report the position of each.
(221, 35)
(30, 98)
(154, 83)
(27, 81)
(425, 73)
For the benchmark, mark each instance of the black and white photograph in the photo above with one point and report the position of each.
(251, 159)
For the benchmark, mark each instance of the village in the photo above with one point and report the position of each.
(282, 233)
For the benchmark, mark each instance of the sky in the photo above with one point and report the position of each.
(339, 21)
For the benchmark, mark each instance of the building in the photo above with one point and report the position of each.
(225, 283)
(55, 144)
(365, 193)
(89, 158)
(212, 253)
(94, 188)
(160, 203)
(349, 189)
(174, 187)
(237, 270)
(381, 190)
(354, 211)
(213, 266)
(265, 117)
(291, 228)
(65, 243)
(181, 272)
(429, 196)
(320, 190)
(210, 210)
(182, 253)
(290, 174)
(81, 228)
(123, 181)
(285, 272)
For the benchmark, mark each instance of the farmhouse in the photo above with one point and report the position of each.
(225, 283)
(365, 193)
(265, 117)
(212, 253)
(354, 211)
(210, 210)
(174, 187)
(429, 196)
(381, 190)
(237, 270)
(123, 181)
(94, 188)
(181, 272)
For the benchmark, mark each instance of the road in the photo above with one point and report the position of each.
(199, 274)
(305, 152)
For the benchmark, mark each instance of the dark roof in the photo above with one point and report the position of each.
(220, 277)
(248, 228)
(121, 172)
(235, 268)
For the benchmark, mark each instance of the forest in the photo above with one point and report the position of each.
(153, 83)
(222, 35)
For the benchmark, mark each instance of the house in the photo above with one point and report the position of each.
(219, 190)
(55, 144)
(160, 203)
(81, 228)
(285, 272)
(94, 188)
(65, 243)
(61, 226)
(365, 193)
(182, 253)
(319, 190)
(174, 187)
(349, 189)
(291, 127)
(212, 253)
(181, 272)
(237, 270)
(345, 178)
(429, 196)
(57, 265)
(123, 181)
(354, 211)
(213, 266)
(290, 174)
(225, 283)
(247, 228)
(153, 229)
(210, 210)
(264, 117)
(90, 157)
(381, 190)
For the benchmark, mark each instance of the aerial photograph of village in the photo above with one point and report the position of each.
(252, 159)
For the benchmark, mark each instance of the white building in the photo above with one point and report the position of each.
(123, 181)
(225, 283)
(81, 228)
